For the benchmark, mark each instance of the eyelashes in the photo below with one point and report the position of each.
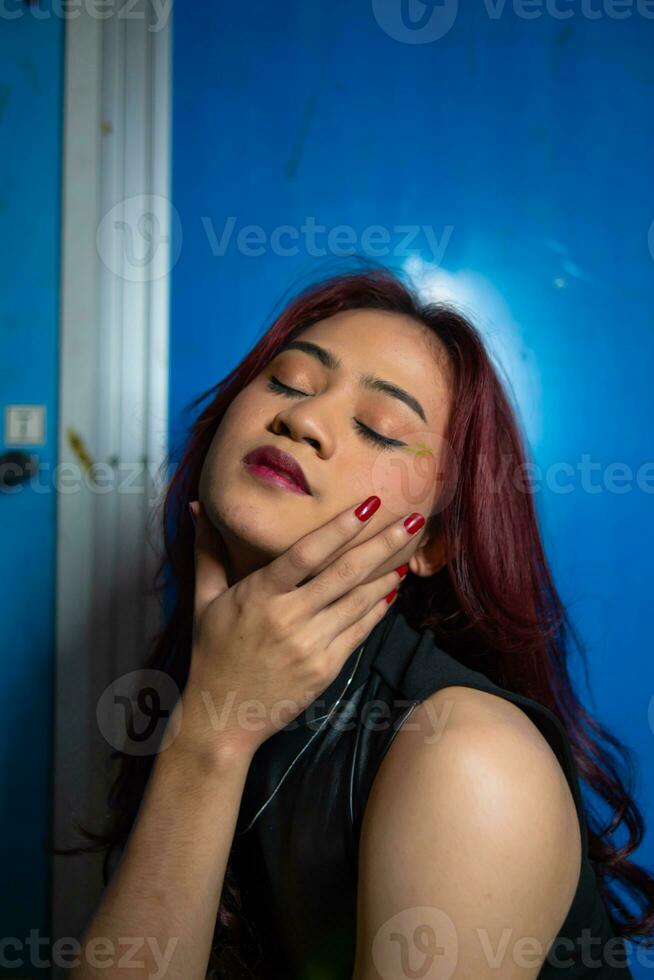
(370, 435)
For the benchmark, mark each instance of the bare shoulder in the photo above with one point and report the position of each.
(463, 729)
(473, 708)
(469, 813)
(466, 718)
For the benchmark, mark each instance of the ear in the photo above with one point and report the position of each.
(429, 556)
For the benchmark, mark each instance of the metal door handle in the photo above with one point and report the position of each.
(15, 468)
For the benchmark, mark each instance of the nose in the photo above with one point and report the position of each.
(304, 423)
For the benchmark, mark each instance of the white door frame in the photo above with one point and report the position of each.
(113, 403)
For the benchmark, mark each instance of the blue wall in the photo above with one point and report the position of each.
(31, 67)
(525, 145)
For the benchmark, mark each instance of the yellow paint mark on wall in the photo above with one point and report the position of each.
(79, 450)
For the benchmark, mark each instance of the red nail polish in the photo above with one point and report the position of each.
(368, 507)
(402, 570)
(391, 595)
(414, 522)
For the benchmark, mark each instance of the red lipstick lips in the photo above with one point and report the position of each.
(280, 462)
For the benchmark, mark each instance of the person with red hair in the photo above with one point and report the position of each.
(354, 560)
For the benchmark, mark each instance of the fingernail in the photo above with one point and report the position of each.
(414, 522)
(391, 595)
(368, 507)
(193, 517)
(402, 570)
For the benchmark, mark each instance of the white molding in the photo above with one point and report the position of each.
(113, 394)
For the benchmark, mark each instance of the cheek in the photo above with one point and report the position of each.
(405, 481)
(242, 418)
(231, 435)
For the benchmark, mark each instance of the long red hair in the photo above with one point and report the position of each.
(493, 606)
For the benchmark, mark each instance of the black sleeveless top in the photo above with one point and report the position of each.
(295, 848)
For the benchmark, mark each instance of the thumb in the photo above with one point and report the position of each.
(210, 560)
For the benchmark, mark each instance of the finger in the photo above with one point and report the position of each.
(351, 569)
(310, 552)
(346, 642)
(210, 558)
(336, 620)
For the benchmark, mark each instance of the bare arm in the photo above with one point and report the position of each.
(159, 909)
(470, 846)
(266, 639)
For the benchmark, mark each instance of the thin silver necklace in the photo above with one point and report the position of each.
(307, 744)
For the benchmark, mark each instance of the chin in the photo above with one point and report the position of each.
(253, 528)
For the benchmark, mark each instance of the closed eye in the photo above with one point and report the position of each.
(382, 441)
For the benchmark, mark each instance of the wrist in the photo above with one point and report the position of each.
(197, 744)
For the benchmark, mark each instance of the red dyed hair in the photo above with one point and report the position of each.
(493, 606)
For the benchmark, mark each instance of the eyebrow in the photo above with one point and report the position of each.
(329, 360)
